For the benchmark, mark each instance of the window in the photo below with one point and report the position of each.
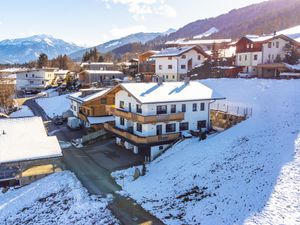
(248, 45)
(26, 75)
(122, 105)
(170, 67)
(138, 108)
(184, 126)
(122, 121)
(255, 57)
(270, 45)
(169, 58)
(202, 106)
(167, 76)
(43, 82)
(251, 46)
(277, 44)
(183, 67)
(103, 101)
(201, 124)
(173, 108)
(240, 58)
(194, 107)
(183, 56)
(160, 67)
(139, 127)
(173, 77)
(183, 107)
(199, 57)
(246, 57)
(171, 127)
(161, 109)
(31, 82)
(32, 75)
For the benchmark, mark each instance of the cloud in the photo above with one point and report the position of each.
(140, 8)
(124, 31)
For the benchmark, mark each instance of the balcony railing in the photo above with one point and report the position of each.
(144, 119)
(141, 140)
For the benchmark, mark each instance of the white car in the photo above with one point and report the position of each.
(245, 75)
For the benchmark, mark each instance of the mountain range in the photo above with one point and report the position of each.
(258, 19)
(27, 49)
(114, 44)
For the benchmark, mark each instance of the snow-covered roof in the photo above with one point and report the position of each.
(147, 93)
(98, 64)
(94, 93)
(255, 38)
(103, 72)
(198, 42)
(168, 52)
(100, 120)
(23, 139)
(61, 72)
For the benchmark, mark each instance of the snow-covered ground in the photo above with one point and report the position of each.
(56, 199)
(24, 111)
(54, 106)
(249, 174)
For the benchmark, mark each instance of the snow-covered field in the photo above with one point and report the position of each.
(24, 111)
(54, 106)
(56, 199)
(249, 174)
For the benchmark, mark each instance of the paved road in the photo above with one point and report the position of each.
(36, 109)
(93, 166)
(98, 181)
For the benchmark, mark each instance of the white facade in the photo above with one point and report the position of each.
(249, 60)
(274, 49)
(192, 116)
(34, 79)
(171, 68)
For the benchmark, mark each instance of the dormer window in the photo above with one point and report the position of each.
(169, 58)
(183, 56)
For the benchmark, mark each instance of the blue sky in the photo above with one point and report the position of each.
(91, 22)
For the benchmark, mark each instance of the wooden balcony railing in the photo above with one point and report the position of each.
(141, 140)
(144, 119)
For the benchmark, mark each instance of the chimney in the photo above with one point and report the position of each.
(186, 80)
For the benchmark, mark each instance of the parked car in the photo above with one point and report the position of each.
(245, 75)
(58, 120)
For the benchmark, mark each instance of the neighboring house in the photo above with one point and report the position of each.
(89, 105)
(27, 153)
(98, 66)
(274, 52)
(146, 65)
(61, 74)
(88, 77)
(34, 79)
(151, 116)
(262, 55)
(173, 64)
(249, 53)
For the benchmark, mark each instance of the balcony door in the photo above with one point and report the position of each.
(159, 130)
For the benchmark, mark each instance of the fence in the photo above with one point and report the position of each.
(232, 109)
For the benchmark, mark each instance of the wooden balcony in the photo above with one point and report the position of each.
(141, 140)
(144, 119)
(82, 116)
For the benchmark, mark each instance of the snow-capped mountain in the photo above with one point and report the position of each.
(26, 49)
(113, 44)
(207, 33)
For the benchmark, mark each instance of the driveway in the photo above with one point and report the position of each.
(112, 157)
(95, 177)
(93, 165)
